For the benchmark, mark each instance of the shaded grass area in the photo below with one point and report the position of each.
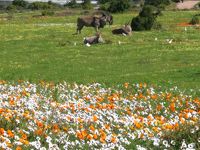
(44, 48)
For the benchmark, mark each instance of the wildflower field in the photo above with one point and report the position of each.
(71, 116)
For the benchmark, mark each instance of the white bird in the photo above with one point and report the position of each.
(185, 28)
(170, 41)
(119, 42)
(74, 43)
(156, 39)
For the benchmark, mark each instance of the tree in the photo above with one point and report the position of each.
(72, 4)
(87, 4)
(103, 1)
(20, 3)
(118, 5)
(157, 2)
(146, 18)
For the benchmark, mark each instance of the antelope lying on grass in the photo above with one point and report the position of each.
(93, 39)
(124, 30)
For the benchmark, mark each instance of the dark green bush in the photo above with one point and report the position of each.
(72, 4)
(87, 4)
(195, 20)
(146, 18)
(157, 2)
(103, 1)
(20, 3)
(11, 8)
(118, 5)
(105, 6)
(39, 5)
(47, 13)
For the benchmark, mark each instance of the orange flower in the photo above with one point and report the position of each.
(24, 136)
(99, 99)
(12, 102)
(95, 136)
(89, 137)
(39, 132)
(10, 134)
(79, 135)
(39, 124)
(159, 107)
(95, 118)
(18, 148)
(56, 128)
(92, 128)
(2, 131)
(126, 85)
(107, 126)
(1, 110)
(102, 140)
(154, 97)
(168, 96)
(172, 107)
(113, 139)
(24, 141)
(84, 133)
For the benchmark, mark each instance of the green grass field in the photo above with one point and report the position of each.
(42, 48)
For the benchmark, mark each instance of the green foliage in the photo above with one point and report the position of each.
(103, 1)
(119, 6)
(40, 5)
(195, 20)
(87, 4)
(20, 3)
(11, 8)
(145, 20)
(157, 2)
(105, 6)
(72, 4)
(47, 13)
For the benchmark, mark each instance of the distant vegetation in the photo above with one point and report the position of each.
(23, 5)
(115, 5)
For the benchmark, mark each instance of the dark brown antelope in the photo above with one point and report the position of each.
(94, 21)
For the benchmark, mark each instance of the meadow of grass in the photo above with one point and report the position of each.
(43, 48)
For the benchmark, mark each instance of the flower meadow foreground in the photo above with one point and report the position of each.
(71, 116)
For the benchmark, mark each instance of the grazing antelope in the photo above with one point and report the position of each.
(94, 21)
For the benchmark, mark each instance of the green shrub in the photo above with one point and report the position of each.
(105, 6)
(72, 4)
(39, 5)
(146, 18)
(195, 20)
(11, 8)
(20, 3)
(157, 2)
(103, 1)
(87, 4)
(157, 26)
(119, 6)
(47, 13)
